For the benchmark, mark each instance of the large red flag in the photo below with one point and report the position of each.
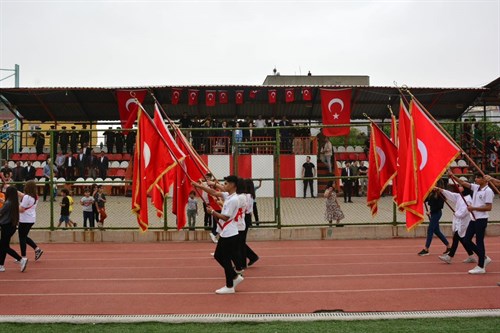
(402, 143)
(176, 95)
(394, 139)
(162, 187)
(128, 104)
(289, 95)
(223, 97)
(210, 97)
(154, 162)
(272, 96)
(336, 110)
(193, 97)
(307, 94)
(239, 97)
(383, 166)
(253, 94)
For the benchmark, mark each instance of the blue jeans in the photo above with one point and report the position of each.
(434, 229)
(477, 227)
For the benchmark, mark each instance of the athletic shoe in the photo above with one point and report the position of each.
(470, 260)
(213, 238)
(224, 290)
(446, 258)
(487, 261)
(23, 262)
(251, 262)
(447, 250)
(424, 252)
(2, 269)
(477, 270)
(238, 280)
(38, 254)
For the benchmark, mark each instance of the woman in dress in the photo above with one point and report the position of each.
(333, 211)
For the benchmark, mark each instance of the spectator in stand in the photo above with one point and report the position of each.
(5, 172)
(73, 139)
(355, 182)
(103, 165)
(347, 173)
(260, 122)
(69, 165)
(81, 164)
(87, 203)
(87, 150)
(49, 171)
(326, 153)
(84, 136)
(363, 171)
(192, 210)
(271, 128)
(93, 162)
(119, 141)
(185, 121)
(492, 153)
(18, 175)
(29, 172)
(39, 141)
(238, 134)
(286, 138)
(130, 142)
(64, 140)
(60, 163)
(54, 137)
(308, 171)
(110, 139)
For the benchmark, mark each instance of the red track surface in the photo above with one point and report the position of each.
(290, 277)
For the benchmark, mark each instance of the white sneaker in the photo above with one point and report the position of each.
(470, 260)
(477, 270)
(23, 262)
(2, 269)
(446, 258)
(214, 238)
(238, 280)
(487, 261)
(225, 290)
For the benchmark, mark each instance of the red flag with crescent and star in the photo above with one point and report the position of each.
(336, 110)
(223, 97)
(383, 166)
(128, 104)
(148, 167)
(239, 97)
(210, 97)
(289, 95)
(176, 95)
(253, 94)
(307, 94)
(271, 93)
(193, 97)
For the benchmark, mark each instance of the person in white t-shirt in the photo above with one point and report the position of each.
(482, 203)
(27, 218)
(227, 245)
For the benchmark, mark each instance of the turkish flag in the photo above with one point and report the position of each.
(239, 96)
(210, 97)
(128, 104)
(176, 95)
(271, 93)
(336, 110)
(394, 139)
(307, 94)
(289, 95)
(383, 166)
(223, 97)
(162, 187)
(253, 94)
(152, 160)
(193, 97)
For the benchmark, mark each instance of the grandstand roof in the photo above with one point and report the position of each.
(69, 104)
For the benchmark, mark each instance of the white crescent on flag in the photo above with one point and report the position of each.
(176, 94)
(146, 153)
(423, 153)
(193, 95)
(130, 101)
(382, 158)
(336, 101)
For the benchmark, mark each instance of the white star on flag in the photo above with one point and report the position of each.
(336, 116)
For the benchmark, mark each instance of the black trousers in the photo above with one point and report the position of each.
(454, 245)
(24, 230)
(255, 212)
(478, 228)
(347, 190)
(90, 217)
(214, 223)
(247, 252)
(8, 231)
(207, 218)
(225, 253)
(310, 183)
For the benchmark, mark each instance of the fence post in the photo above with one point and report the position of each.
(277, 180)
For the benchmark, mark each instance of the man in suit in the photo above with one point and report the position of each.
(29, 172)
(69, 165)
(103, 164)
(64, 140)
(81, 163)
(84, 136)
(18, 175)
(73, 138)
(60, 163)
(119, 141)
(110, 139)
(93, 164)
(54, 137)
(347, 173)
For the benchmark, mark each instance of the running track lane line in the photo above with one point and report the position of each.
(252, 292)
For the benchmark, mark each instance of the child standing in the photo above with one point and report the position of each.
(87, 202)
(100, 201)
(71, 203)
(65, 205)
(333, 211)
(192, 210)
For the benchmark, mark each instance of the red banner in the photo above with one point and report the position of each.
(239, 97)
(193, 97)
(307, 94)
(223, 97)
(336, 110)
(289, 95)
(128, 104)
(272, 96)
(253, 94)
(210, 97)
(176, 95)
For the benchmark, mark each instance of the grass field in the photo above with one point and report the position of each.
(483, 325)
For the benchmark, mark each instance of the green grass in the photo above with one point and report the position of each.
(482, 325)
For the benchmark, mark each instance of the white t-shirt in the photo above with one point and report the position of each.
(481, 197)
(29, 215)
(461, 216)
(240, 218)
(230, 209)
(249, 208)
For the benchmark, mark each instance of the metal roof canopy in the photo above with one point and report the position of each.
(96, 104)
